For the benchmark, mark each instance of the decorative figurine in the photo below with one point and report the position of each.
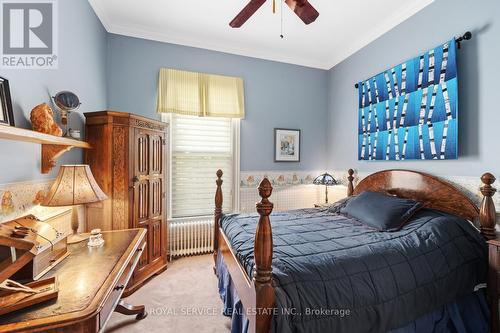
(42, 120)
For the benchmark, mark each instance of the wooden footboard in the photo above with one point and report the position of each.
(257, 293)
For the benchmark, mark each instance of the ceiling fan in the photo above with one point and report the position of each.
(304, 10)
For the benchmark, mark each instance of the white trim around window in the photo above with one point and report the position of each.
(196, 146)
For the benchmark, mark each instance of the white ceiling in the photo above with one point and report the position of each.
(343, 27)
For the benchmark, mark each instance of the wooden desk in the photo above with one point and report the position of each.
(91, 282)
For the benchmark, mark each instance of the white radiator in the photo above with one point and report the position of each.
(191, 236)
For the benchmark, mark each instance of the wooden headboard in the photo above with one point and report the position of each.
(435, 193)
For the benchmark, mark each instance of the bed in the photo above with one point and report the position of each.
(317, 270)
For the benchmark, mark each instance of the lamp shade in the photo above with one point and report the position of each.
(325, 179)
(75, 185)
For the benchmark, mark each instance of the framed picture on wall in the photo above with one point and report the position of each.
(286, 145)
(6, 113)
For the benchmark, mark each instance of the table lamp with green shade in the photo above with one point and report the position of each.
(327, 180)
(75, 185)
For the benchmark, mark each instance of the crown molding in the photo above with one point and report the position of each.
(142, 33)
(101, 13)
(348, 50)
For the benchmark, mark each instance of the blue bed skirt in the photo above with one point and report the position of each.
(469, 314)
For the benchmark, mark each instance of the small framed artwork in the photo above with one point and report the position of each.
(6, 113)
(286, 145)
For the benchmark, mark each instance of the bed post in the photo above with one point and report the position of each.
(487, 215)
(350, 185)
(263, 253)
(217, 213)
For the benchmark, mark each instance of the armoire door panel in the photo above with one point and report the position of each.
(156, 154)
(155, 239)
(142, 153)
(142, 201)
(156, 197)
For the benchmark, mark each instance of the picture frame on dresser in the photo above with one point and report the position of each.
(286, 145)
(6, 112)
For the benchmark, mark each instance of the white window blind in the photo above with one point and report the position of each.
(200, 146)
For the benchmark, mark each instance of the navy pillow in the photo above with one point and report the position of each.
(380, 211)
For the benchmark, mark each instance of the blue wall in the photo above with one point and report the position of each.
(479, 114)
(82, 69)
(120, 73)
(276, 95)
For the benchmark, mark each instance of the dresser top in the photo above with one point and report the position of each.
(119, 114)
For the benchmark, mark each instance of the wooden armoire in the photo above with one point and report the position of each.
(129, 161)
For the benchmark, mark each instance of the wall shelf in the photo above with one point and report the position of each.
(53, 147)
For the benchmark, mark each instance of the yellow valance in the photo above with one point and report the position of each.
(200, 94)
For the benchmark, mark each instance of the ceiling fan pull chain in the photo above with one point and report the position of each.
(281, 35)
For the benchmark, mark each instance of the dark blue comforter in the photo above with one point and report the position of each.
(333, 274)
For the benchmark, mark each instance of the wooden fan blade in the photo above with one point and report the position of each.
(246, 13)
(307, 13)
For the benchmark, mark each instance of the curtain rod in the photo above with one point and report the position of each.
(459, 40)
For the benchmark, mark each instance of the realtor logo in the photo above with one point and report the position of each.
(29, 34)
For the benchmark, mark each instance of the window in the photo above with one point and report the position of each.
(199, 146)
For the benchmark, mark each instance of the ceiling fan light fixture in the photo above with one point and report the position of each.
(302, 8)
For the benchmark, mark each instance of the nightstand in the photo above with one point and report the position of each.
(494, 281)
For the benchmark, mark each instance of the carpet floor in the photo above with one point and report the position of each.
(183, 299)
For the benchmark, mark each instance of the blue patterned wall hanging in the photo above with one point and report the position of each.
(410, 112)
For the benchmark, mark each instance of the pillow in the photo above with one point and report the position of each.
(337, 206)
(380, 211)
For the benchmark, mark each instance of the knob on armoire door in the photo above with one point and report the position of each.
(134, 182)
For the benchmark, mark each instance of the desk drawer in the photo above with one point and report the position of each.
(117, 291)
